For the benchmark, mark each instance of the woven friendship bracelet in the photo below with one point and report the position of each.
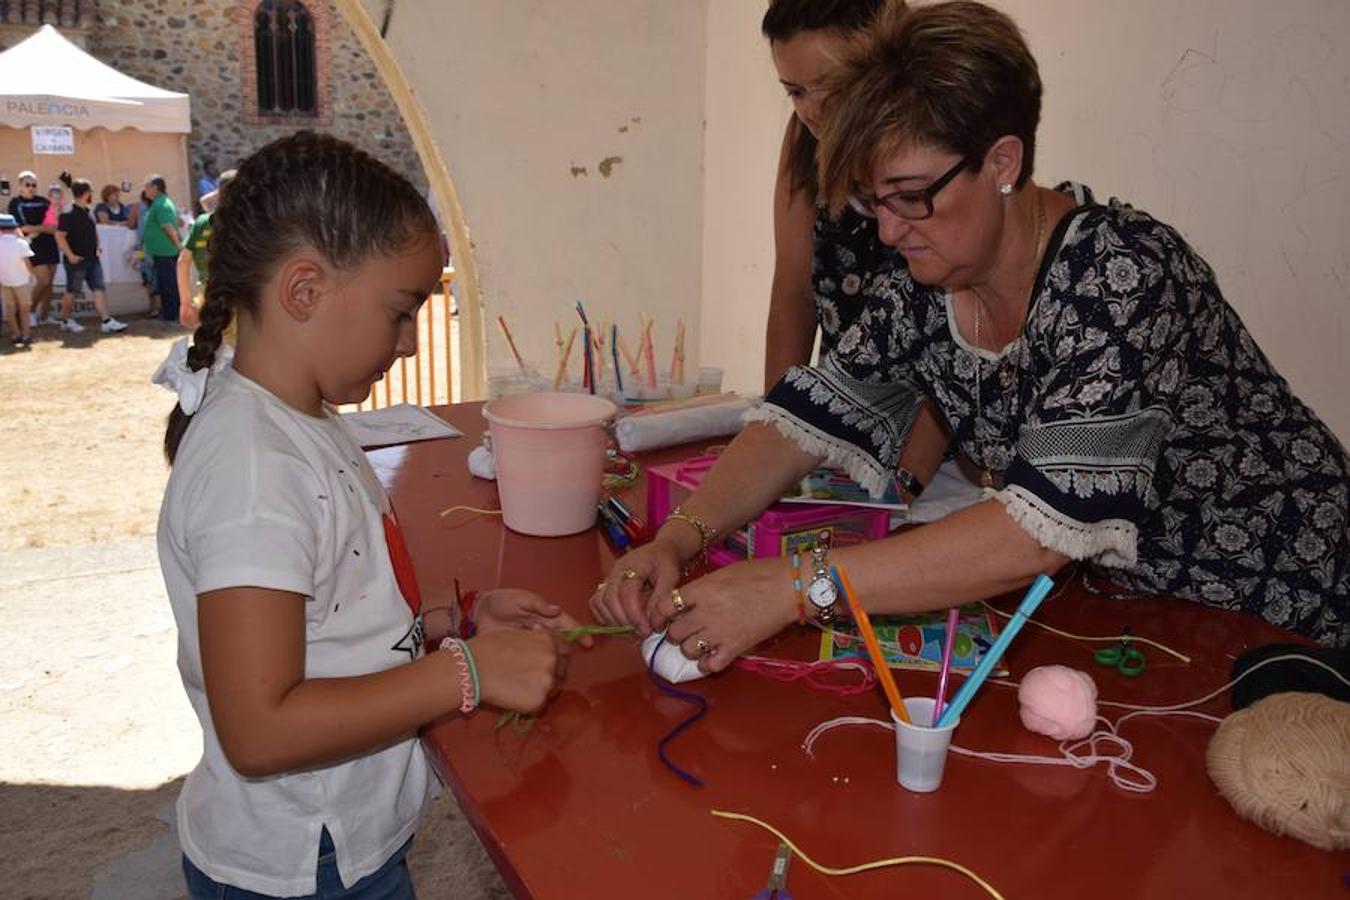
(468, 673)
(797, 587)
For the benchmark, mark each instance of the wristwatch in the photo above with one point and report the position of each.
(821, 591)
(909, 483)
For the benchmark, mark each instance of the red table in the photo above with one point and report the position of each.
(580, 805)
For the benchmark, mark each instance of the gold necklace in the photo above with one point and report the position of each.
(987, 476)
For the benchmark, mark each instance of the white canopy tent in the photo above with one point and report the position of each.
(121, 130)
(47, 80)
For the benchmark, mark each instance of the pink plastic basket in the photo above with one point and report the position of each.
(779, 530)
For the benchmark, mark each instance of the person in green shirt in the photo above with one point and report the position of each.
(163, 244)
(196, 252)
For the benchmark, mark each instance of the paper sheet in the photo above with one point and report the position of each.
(399, 424)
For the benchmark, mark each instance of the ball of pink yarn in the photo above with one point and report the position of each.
(1059, 702)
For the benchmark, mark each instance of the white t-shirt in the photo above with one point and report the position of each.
(13, 251)
(263, 495)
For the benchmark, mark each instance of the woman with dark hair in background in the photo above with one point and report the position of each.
(825, 263)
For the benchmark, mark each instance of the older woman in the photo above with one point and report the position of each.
(1082, 354)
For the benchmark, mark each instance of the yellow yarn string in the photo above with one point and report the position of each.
(473, 509)
(1115, 638)
(864, 867)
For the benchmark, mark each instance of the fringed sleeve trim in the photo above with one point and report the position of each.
(1111, 542)
(859, 466)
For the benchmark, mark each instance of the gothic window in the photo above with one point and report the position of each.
(283, 41)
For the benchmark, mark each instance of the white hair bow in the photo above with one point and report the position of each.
(190, 386)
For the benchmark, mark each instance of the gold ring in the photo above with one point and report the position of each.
(677, 601)
(703, 647)
(629, 574)
(600, 587)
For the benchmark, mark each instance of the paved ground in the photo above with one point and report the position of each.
(95, 731)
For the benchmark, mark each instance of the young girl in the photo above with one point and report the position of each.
(299, 642)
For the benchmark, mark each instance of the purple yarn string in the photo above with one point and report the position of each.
(687, 696)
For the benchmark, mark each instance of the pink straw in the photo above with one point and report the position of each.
(952, 615)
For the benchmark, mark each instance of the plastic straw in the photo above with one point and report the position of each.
(873, 648)
(953, 618)
(1038, 591)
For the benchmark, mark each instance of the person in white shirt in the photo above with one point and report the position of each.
(16, 276)
(300, 629)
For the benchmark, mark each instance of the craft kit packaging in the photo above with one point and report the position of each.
(782, 529)
(549, 452)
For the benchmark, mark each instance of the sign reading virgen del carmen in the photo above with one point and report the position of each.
(53, 140)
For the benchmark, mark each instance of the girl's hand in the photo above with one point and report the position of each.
(651, 570)
(514, 608)
(518, 668)
(729, 611)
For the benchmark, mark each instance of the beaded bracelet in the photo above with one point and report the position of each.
(468, 673)
(797, 588)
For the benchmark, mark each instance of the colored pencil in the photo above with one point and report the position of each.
(1035, 594)
(873, 647)
(953, 617)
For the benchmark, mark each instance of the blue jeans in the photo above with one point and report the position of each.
(166, 277)
(86, 272)
(390, 882)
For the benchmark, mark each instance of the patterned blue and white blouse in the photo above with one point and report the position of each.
(846, 257)
(1134, 424)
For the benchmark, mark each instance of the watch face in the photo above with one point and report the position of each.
(822, 592)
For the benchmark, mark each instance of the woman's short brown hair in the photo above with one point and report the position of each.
(954, 75)
(108, 191)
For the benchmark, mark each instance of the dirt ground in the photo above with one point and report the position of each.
(95, 731)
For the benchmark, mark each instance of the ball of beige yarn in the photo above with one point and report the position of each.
(1284, 763)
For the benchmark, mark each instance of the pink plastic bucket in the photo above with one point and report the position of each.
(549, 449)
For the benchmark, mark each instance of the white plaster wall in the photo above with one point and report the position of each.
(527, 98)
(746, 112)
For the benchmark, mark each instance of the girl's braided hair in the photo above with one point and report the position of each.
(304, 190)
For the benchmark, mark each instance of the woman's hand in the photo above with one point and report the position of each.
(504, 608)
(651, 570)
(729, 611)
(518, 668)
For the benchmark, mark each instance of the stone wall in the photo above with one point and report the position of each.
(205, 48)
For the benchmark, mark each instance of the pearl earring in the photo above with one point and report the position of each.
(1005, 188)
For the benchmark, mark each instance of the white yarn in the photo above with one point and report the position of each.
(1121, 769)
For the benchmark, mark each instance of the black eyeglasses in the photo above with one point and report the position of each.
(28, 184)
(911, 205)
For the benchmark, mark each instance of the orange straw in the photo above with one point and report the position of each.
(562, 362)
(874, 649)
(506, 333)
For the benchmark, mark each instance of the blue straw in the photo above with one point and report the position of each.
(1038, 591)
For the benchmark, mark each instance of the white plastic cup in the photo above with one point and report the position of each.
(507, 382)
(920, 751)
(549, 452)
(709, 380)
